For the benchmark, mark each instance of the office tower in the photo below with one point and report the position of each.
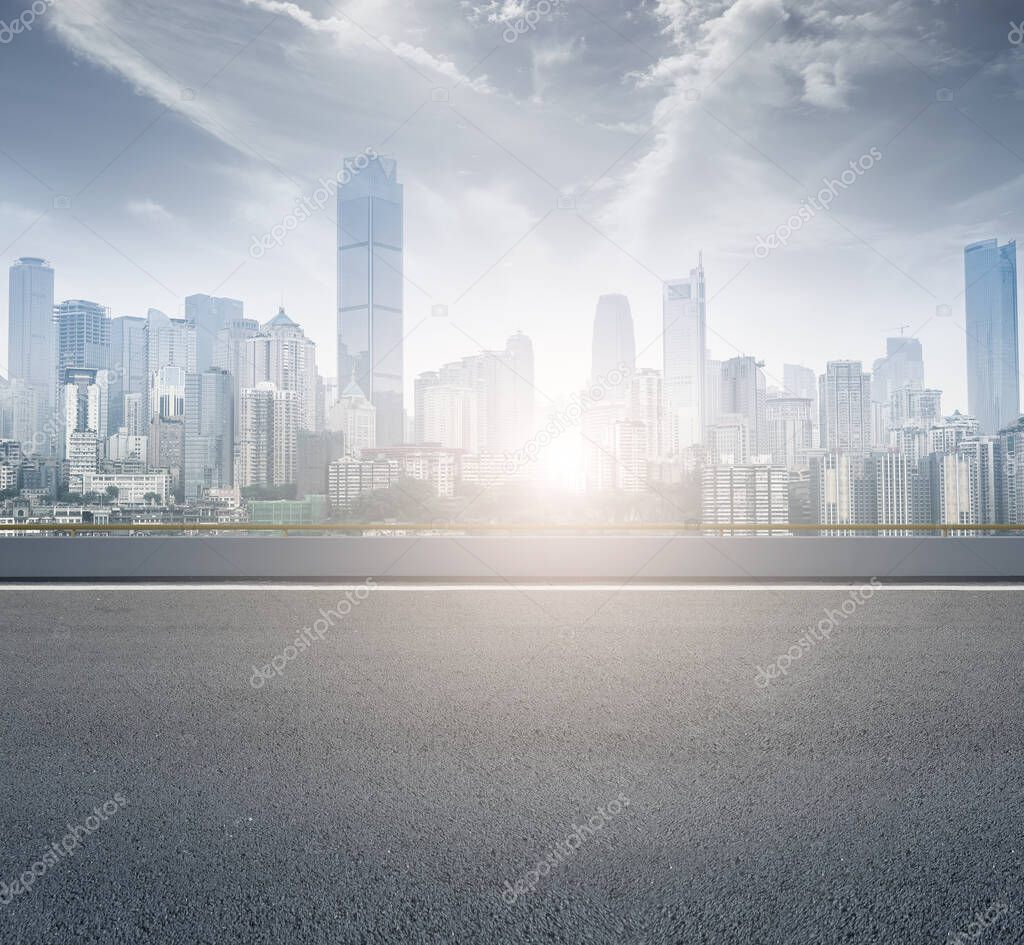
(712, 391)
(744, 393)
(355, 418)
(749, 494)
(789, 431)
(83, 335)
(801, 381)
(370, 291)
(844, 403)
(728, 440)
(684, 329)
(902, 367)
(450, 417)
(314, 452)
(348, 478)
(135, 422)
(209, 315)
(209, 432)
(267, 436)
(915, 406)
(167, 392)
(646, 404)
(165, 446)
(170, 342)
(614, 345)
(127, 363)
(522, 409)
(597, 428)
(843, 490)
(25, 420)
(231, 353)
(630, 446)
(31, 340)
(282, 355)
(990, 302)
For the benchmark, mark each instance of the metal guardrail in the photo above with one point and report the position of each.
(943, 530)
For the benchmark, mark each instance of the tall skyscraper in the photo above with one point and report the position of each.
(30, 336)
(684, 330)
(450, 417)
(283, 355)
(902, 367)
(990, 301)
(231, 353)
(127, 363)
(614, 343)
(370, 292)
(83, 335)
(844, 402)
(646, 405)
(170, 342)
(744, 393)
(801, 381)
(209, 432)
(210, 314)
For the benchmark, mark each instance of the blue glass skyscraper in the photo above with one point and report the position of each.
(993, 390)
(370, 284)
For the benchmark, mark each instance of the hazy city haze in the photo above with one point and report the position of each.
(180, 135)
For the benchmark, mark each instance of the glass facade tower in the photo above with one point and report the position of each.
(370, 292)
(990, 278)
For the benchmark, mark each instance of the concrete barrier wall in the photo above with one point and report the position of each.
(516, 558)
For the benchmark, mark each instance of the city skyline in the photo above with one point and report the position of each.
(491, 237)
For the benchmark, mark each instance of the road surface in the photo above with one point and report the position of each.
(502, 765)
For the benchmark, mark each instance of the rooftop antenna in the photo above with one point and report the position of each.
(901, 327)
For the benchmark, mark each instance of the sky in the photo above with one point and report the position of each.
(550, 152)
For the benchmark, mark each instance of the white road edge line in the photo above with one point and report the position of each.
(979, 588)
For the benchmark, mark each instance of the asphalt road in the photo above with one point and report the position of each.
(418, 775)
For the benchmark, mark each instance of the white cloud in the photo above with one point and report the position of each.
(147, 209)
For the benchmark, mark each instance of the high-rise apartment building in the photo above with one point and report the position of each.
(844, 400)
(745, 494)
(990, 302)
(371, 291)
(267, 436)
(282, 355)
(789, 430)
(355, 418)
(646, 404)
(684, 344)
(902, 367)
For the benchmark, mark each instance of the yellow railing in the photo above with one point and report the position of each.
(534, 528)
